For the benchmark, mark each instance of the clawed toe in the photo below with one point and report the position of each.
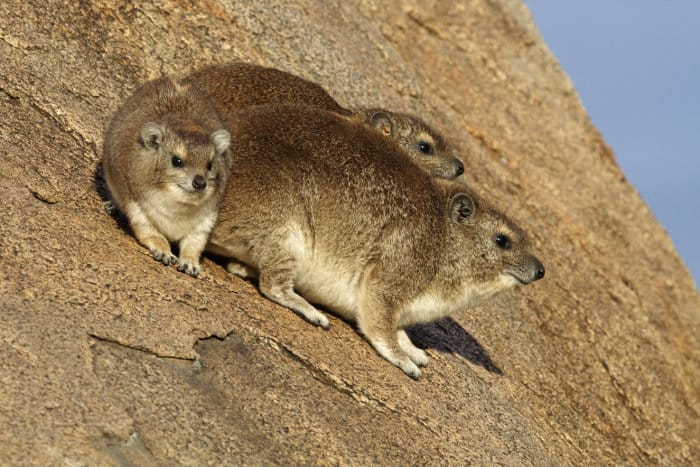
(189, 268)
(167, 259)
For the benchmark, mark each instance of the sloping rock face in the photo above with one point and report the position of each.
(108, 357)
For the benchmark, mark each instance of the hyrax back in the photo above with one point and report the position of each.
(236, 86)
(239, 85)
(321, 205)
(166, 164)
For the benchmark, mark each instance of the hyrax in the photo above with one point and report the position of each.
(166, 164)
(236, 86)
(327, 211)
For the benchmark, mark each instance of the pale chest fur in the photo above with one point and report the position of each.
(176, 219)
(436, 302)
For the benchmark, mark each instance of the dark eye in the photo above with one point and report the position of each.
(424, 147)
(177, 162)
(210, 166)
(502, 241)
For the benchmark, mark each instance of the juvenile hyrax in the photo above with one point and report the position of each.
(166, 164)
(237, 86)
(321, 205)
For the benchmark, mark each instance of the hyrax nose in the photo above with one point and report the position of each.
(460, 168)
(199, 182)
(539, 270)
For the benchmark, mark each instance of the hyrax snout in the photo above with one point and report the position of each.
(325, 210)
(236, 86)
(166, 164)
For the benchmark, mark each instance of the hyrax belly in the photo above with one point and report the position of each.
(333, 284)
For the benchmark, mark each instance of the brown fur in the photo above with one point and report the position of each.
(165, 203)
(321, 205)
(235, 86)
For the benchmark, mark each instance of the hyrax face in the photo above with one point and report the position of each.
(423, 144)
(483, 254)
(496, 252)
(188, 160)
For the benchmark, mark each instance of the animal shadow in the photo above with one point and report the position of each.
(99, 183)
(446, 335)
(100, 186)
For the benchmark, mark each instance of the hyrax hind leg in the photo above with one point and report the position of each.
(377, 322)
(276, 282)
(148, 235)
(241, 270)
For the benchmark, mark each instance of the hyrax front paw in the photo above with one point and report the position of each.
(409, 368)
(189, 267)
(165, 257)
(398, 358)
(320, 320)
(419, 356)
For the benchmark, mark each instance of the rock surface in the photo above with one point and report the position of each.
(108, 357)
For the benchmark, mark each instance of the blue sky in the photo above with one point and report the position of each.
(636, 66)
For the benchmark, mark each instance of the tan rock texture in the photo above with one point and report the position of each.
(109, 358)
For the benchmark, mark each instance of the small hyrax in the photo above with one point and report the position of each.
(235, 86)
(324, 210)
(166, 164)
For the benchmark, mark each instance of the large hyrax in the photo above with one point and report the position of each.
(324, 210)
(235, 86)
(166, 164)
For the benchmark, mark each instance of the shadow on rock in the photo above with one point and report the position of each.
(99, 183)
(445, 335)
(100, 186)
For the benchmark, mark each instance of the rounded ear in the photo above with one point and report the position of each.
(381, 121)
(152, 135)
(221, 139)
(461, 208)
